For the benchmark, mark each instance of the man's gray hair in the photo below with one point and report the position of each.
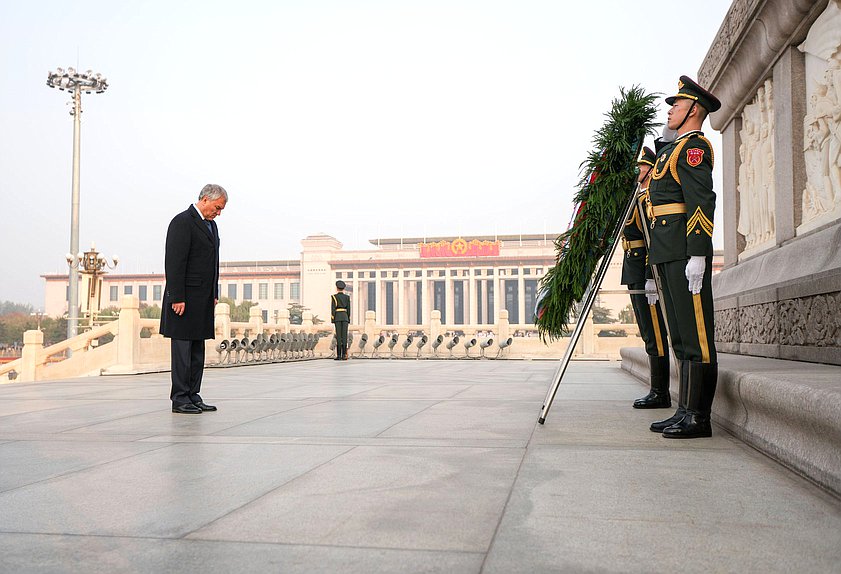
(212, 191)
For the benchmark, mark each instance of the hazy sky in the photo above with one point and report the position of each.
(354, 118)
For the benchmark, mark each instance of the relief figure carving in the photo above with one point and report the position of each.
(822, 123)
(756, 185)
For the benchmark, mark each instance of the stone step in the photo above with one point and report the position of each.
(789, 410)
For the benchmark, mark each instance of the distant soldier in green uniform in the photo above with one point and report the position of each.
(648, 315)
(340, 316)
(681, 208)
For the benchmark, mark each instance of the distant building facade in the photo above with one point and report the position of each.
(469, 280)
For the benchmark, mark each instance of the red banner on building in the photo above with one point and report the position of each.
(459, 248)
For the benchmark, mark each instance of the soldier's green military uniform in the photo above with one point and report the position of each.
(649, 318)
(682, 204)
(340, 316)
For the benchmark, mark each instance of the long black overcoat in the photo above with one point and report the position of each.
(192, 276)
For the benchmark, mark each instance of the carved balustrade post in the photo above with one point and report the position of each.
(33, 343)
(222, 320)
(128, 335)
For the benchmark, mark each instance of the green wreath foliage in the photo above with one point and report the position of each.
(607, 182)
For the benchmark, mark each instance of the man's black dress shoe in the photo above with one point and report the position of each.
(203, 407)
(188, 409)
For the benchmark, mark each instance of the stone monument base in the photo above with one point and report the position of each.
(778, 407)
(785, 303)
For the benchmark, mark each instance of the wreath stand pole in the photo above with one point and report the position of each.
(589, 299)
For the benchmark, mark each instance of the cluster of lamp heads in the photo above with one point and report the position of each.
(71, 79)
(91, 259)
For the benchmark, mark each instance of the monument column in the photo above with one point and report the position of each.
(358, 313)
(400, 298)
(378, 298)
(498, 295)
(521, 296)
(424, 295)
(473, 317)
(790, 170)
(448, 297)
(734, 243)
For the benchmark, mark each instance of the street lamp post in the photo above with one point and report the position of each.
(75, 82)
(92, 265)
(38, 315)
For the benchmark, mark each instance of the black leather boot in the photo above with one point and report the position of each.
(703, 378)
(658, 397)
(660, 426)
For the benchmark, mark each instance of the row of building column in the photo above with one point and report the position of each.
(406, 294)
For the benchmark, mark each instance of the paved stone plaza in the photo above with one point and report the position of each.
(389, 466)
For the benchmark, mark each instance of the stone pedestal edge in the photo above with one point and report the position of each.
(785, 409)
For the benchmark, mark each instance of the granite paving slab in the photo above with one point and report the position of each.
(27, 462)
(332, 418)
(660, 511)
(165, 493)
(389, 466)
(384, 497)
(57, 554)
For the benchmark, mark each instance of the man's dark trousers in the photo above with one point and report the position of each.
(187, 369)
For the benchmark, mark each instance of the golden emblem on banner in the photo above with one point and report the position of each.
(460, 247)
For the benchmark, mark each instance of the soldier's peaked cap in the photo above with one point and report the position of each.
(687, 88)
(340, 284)
(647, 156)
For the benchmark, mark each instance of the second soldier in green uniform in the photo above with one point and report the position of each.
(648, 315)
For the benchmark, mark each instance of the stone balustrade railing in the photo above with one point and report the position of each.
(132, 344)
(523, 342)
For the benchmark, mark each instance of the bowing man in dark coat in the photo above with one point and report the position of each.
(192, 279)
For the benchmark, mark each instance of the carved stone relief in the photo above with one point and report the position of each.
(812, 321)
(758, 324)
(821, 200)
(806, 321)
(756, 184)
(727, 326)
(730, 32)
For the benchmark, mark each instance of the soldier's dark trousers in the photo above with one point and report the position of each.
(652, 328)
(690, 319)
(341, 338)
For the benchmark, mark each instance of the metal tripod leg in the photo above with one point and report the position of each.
(590, 298)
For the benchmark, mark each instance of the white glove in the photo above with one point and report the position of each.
(651, 285)
(695, 273)
(668, 134)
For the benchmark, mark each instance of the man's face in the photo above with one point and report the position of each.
(678, 111)
(210, 208)
(644, 169)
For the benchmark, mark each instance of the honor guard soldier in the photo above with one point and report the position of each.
(340, 316)
(648, 315)
(681, 207)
